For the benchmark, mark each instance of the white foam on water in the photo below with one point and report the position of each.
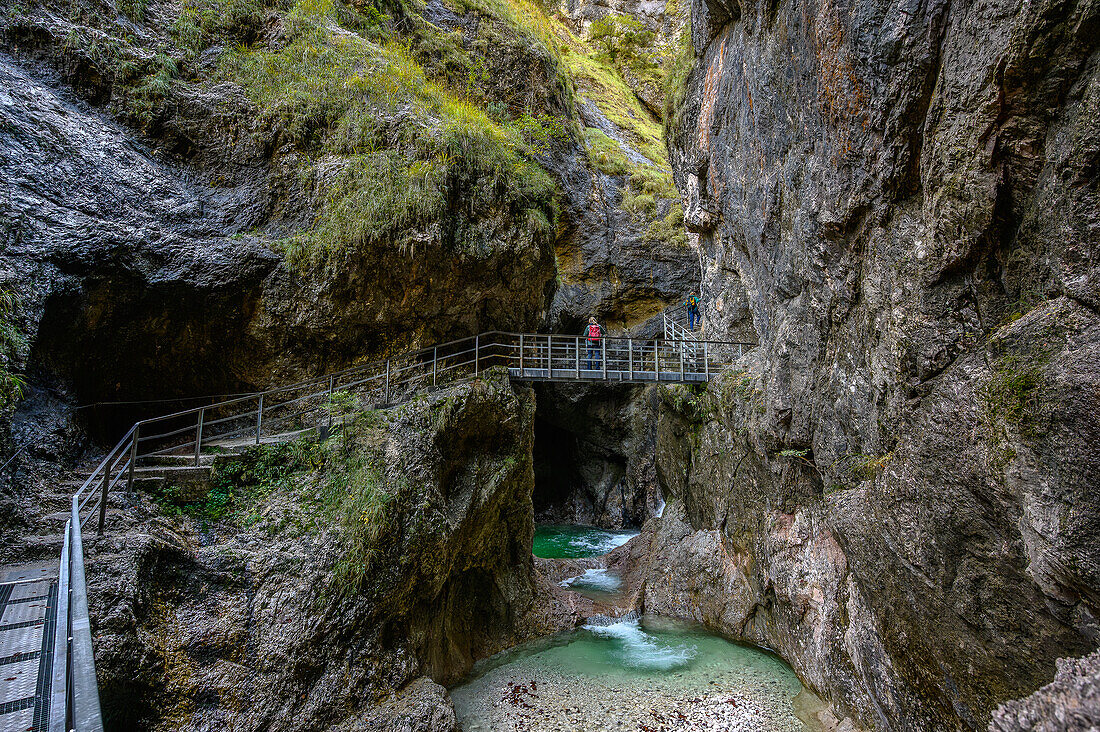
(601, 542)
(639, 650)
(594, 579)
(661, 508)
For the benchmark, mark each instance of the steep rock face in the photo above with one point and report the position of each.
(906, 199)
(155, 260)
(250, 623)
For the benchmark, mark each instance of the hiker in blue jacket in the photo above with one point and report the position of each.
(693, 311)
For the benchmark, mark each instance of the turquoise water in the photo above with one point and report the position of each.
(623, 674)
(576, 542)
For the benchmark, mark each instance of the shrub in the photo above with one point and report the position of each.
(11, 342)
(604, 153)
(623, 41)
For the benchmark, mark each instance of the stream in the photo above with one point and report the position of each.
(645, 674)
(576, 542)
(638, 673)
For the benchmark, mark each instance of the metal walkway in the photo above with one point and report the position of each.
(54, 687)
(28, 613)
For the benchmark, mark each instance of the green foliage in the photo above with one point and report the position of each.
(678, 69)
(541, 131)
(624, 41)
(604, 85)
(1012, 391)
(606, 154)
(383, 173)
(11, 342)
(794, 453)
(151, 83)
(669, 230)
(201, 21)
(689, 402)
(133, 9)
(238, 483)
(357, 499)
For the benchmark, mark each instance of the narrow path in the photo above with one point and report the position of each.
(28, 608)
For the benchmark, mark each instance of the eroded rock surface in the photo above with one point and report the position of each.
(1071, 702)
(594, 452)
(894, 483)
(250, 623)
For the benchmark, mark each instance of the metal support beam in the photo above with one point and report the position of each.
(259, 419)
(133, 457)
(521, 371)
(630, 358)
(477, 348)
(103, 496)
(198, 436)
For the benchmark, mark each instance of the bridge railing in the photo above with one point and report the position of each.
(314, 403)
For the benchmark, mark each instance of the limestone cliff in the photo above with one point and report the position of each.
(215, 195)
(897, 489)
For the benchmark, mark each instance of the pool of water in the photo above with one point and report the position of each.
(575, 542)
(631, 674)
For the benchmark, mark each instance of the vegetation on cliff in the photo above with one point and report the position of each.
(11, 342)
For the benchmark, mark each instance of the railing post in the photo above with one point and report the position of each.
(477, 347)
(706, 361)
(577, 342)
(198, 436)
(630, 358)
(133, 457)
(681, 363)
(259, 418)
(331, 386)
(103, 496)
(603, 356)
(521, 373)
(386, 392)
(435, 364)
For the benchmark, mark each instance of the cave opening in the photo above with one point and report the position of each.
(593, 455)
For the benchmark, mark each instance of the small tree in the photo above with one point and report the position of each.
(623, 41)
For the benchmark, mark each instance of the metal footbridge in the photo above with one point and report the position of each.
(45, 640)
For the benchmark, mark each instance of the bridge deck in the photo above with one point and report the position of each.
(28, 600)
(616, 375)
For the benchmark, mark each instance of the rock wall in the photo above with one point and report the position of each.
(248, 622)
(896, 483)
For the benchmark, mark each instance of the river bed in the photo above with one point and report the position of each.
(643, 674)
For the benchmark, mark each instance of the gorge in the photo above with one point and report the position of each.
(884, 515)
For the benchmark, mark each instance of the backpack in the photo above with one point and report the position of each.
(693, 304)
(593, 332)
